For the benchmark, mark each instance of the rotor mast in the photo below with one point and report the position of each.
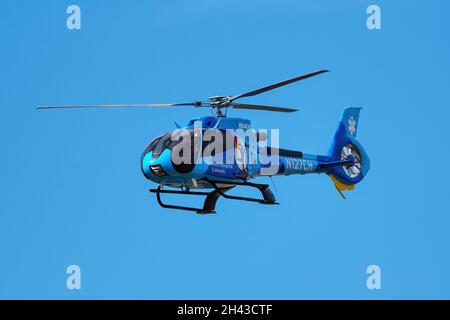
(219, 102)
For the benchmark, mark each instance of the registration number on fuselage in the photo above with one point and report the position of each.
(299, 164)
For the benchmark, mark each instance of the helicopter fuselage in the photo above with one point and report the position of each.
(249, 160)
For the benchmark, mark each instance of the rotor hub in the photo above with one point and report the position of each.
(220, 101)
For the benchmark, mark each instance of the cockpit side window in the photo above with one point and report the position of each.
(164, 141)
(227, 141)
(189, 139)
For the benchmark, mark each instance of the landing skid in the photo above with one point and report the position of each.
(209, 205)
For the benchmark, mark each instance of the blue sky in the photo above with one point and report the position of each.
(71, 187)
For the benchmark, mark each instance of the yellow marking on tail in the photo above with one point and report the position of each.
(340, 186)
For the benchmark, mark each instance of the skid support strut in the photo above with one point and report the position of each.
(209, 205)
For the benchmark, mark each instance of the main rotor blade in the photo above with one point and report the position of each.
(196, 104)
(277, 85)
(258, 107)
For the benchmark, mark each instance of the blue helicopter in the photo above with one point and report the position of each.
(234, 153)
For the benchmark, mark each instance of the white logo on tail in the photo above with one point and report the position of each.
(352, 126)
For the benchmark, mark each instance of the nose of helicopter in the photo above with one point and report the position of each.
(156, 169)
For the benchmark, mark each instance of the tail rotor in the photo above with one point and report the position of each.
(345, 146)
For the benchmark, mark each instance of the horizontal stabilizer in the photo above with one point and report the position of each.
(348, 162)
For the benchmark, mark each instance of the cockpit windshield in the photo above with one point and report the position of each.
(151, 146)
(161, 145)
(164, 142)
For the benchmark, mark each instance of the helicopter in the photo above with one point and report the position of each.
(212, 155)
